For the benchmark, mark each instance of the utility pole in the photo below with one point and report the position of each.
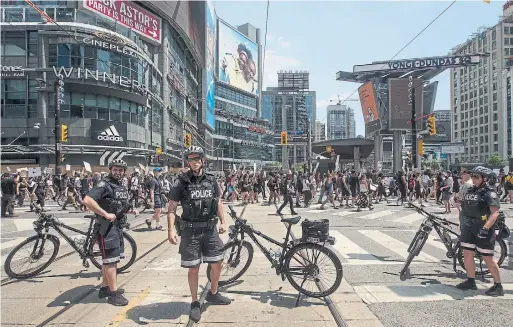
(59, 99)
(411, 101)
(309, 150)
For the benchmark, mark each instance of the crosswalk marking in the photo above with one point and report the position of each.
(408, 219)
(12, 243)
(26, 224)
(413, 293)
(437, 243)
(344, 213)
(377, 214)
(352, 251)
(395, 246)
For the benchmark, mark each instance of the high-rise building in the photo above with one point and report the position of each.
(481, 94)
(293, 105)
(442, 115)
(340, 121)
(319, 131)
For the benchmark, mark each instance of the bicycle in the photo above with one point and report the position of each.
(292, 251)
(442, 227)
(87, 249)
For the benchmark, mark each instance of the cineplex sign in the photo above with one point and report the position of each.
(79, 73)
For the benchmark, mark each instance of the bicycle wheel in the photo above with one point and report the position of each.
(32, 254)
(414, 249)
(501, 251)
(233, 259)
(130, 252)
(308, 269)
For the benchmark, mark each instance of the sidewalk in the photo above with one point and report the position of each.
(157, 288)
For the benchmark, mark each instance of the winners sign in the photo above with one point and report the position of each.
(130, 15)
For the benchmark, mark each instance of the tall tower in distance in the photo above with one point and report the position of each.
(340, 122)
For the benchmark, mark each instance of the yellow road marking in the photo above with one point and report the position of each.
(121, 316)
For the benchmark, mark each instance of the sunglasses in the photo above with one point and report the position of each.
(475, 176)
(195, 159)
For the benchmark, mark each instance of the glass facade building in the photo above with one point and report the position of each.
(112, 74)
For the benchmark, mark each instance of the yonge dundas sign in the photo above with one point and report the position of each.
(130, 15)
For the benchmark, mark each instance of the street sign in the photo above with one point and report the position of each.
(453, 147)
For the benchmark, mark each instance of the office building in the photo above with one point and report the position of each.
(481, 94)
(442, 115)
(127, 90)
(241, 136)
(340, 122)
(319, 131)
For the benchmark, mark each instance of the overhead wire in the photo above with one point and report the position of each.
(265, 37)
(402, 49)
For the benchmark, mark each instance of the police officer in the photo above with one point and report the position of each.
(109, 201)
(480, 210)
(200, 197)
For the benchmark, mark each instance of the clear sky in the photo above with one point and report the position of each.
(324, 37)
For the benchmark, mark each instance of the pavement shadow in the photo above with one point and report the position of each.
(75, 295)
(141, 230)
(152, 313)
(43, 275)
(276, 298)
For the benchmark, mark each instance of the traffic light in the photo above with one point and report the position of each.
(284, 138)
(63, 157)
(420, 147)
(328, 148)
(188, 140)
(158, 151)
(64, 133)
(431, 125)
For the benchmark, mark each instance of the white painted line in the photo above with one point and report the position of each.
(377, 214)
(422, 293)
(396, 246)
(344, 213)
(352, 252)
(437, 243)
(409, 218)
(26, 224)
(12, 243)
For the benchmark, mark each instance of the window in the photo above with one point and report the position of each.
(103, 61)
(14, 94)
(13, 44)
(63, 51)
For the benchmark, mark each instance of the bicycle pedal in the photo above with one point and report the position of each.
(85, 263)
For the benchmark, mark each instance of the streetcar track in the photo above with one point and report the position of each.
(9, 280)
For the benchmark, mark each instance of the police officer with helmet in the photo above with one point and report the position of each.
(200, 197)
(479, 212)
(109, 201)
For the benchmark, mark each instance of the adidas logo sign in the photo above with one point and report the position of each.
(110, 134)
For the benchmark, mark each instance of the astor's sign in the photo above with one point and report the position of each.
(419, 63)
(130, 15)
(79, 73)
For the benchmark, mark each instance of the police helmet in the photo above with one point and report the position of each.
(195, 150)
(480, 170)
(118, 163)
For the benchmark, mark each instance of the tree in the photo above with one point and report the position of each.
(495, 160)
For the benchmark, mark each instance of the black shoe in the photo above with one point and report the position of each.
(217, 298)
(495, 290)
(467, 285)
(195, 314)
(116, 298)
(105, 292)
(294, 213)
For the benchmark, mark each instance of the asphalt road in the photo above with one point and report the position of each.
(373, 246)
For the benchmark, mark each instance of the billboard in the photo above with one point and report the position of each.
(238, 59)
(108, 133)
(443, 133)
(130, 15)
(210, 46)
(399, 102)
(369, 109)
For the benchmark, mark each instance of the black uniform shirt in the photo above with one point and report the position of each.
(177, 189)
(104, 194)
(478, 201)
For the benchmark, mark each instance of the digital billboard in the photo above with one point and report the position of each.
(369, 109)
(130, 15)
(443, 133)
(238, 59)
(399, 102)
(210, 46)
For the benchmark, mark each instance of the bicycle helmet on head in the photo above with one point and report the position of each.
(483, 171)
(118, 163)
(194, 150)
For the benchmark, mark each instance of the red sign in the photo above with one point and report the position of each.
(130, 15)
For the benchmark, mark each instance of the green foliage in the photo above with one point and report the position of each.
(495, 160)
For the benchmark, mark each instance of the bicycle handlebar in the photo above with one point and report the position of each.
(432, 216)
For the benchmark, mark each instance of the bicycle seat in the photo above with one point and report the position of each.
(90, 216)
(293, 220)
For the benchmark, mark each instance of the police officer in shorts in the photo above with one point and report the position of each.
(109, 201)
(200, 197)
(479, 212)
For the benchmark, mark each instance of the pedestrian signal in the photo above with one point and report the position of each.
(328, 148)
(431, 125)
(421, 147)
(284, 138)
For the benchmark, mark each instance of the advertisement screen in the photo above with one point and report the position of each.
(369, 109)
(399, 107)
(108, 133)
(443, 133)
(130, 15)
(238, 60)
(210, 45)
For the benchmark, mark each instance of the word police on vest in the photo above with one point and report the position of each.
(201, 194)
(121, 195)
(471, 197)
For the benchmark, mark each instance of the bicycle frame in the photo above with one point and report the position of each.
(58, 225)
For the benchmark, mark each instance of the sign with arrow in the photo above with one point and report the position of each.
(108, 155)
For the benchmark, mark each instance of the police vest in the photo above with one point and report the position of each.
(200, 198)
(116, 200)
(474, 205)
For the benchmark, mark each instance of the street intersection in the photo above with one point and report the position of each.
(372, 246)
